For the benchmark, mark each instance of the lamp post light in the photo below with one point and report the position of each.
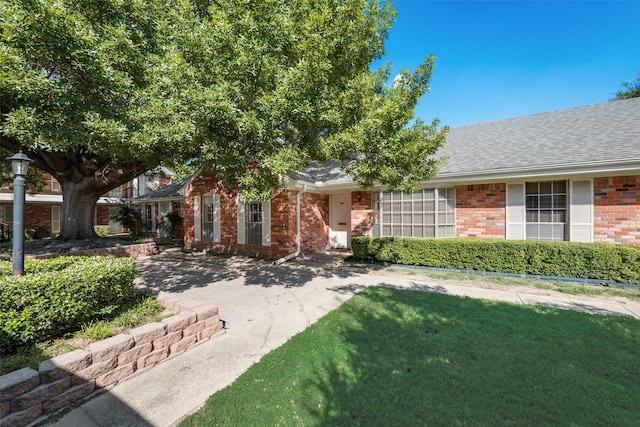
(20, 166)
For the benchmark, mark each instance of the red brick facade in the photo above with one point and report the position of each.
(362, 214)
(314, 221)
(38, 213)
(480, 211)
(616, 209)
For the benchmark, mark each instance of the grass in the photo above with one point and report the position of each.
(397, 357)
(567, 287)
(141, 311)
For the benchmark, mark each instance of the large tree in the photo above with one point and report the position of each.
(99, 91)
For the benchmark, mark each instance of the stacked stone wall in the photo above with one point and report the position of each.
(27, 395)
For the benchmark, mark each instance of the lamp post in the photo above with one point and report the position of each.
(19, 165)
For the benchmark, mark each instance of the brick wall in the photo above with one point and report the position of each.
(617, 209)
(38, 217)
(314, 210)
(361, 214)
(102, 214)
(481, 211)
(314, 221)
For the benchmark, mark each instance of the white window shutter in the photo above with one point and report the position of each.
(241, 221)
(516, 212)
(216, 218)
(197, 219)
(581, 211)
(266, 223)
(55, 219)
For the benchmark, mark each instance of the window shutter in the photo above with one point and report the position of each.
(216, 218)
(197, 219)
(241, 221)
(581, 211)
(266, 223)
(55, 219)
(516, 224)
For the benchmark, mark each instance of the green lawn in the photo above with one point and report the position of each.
(401, 358)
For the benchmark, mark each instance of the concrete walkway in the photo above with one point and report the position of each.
(263, 306)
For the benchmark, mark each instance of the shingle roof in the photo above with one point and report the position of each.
(174, 190)
(599, 134)
(318, 173)
(593, 134)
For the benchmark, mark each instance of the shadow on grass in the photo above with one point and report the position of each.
(392, 357)
(439, 360)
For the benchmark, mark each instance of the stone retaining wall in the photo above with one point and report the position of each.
(26, 394)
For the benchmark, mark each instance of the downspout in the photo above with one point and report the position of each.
(297, 252)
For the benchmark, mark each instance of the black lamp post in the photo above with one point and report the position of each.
(20, 166)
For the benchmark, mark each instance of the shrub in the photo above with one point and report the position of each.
(101, 230)
(130, 218)
(169, 223)
(59, 295)
(563, 259)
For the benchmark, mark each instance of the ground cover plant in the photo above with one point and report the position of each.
(397, 357)
(139, 311)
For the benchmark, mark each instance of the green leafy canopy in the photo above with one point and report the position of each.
(254, 89)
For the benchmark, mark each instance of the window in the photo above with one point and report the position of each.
(55, 185)
(116, 193)
(149, 220)
(429, 212)
(55, 219)
(254, 223)
(546, 210)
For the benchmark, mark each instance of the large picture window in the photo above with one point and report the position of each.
(429, 212)
(546, 207)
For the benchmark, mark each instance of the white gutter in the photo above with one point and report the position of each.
(297, 252)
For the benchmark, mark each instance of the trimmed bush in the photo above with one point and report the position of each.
(58, 295)
(101, 230)
(563, 259)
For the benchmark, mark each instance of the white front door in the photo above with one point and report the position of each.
(340, 221)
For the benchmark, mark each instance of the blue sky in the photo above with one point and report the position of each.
(502, 59)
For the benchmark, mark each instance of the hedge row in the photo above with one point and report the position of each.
(562, 259)
(58, 295)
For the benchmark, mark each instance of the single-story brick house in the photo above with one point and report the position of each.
(565, 175)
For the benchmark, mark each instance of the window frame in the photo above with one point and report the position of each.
(544, 202)
(428, 212)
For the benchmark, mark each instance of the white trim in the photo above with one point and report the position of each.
(241, 221)
(266, 223)
(541, 173)
(515, 212)
(55, 219)
(197, 219)
(216, 218)
(581, 204)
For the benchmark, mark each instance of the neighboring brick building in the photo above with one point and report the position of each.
(43, 210)
(565, 175)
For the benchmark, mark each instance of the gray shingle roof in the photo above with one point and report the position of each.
(607, 133)
(317, 173)
(599, 134)
(174, 190)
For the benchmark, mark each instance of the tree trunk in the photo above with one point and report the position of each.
(78, 207)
